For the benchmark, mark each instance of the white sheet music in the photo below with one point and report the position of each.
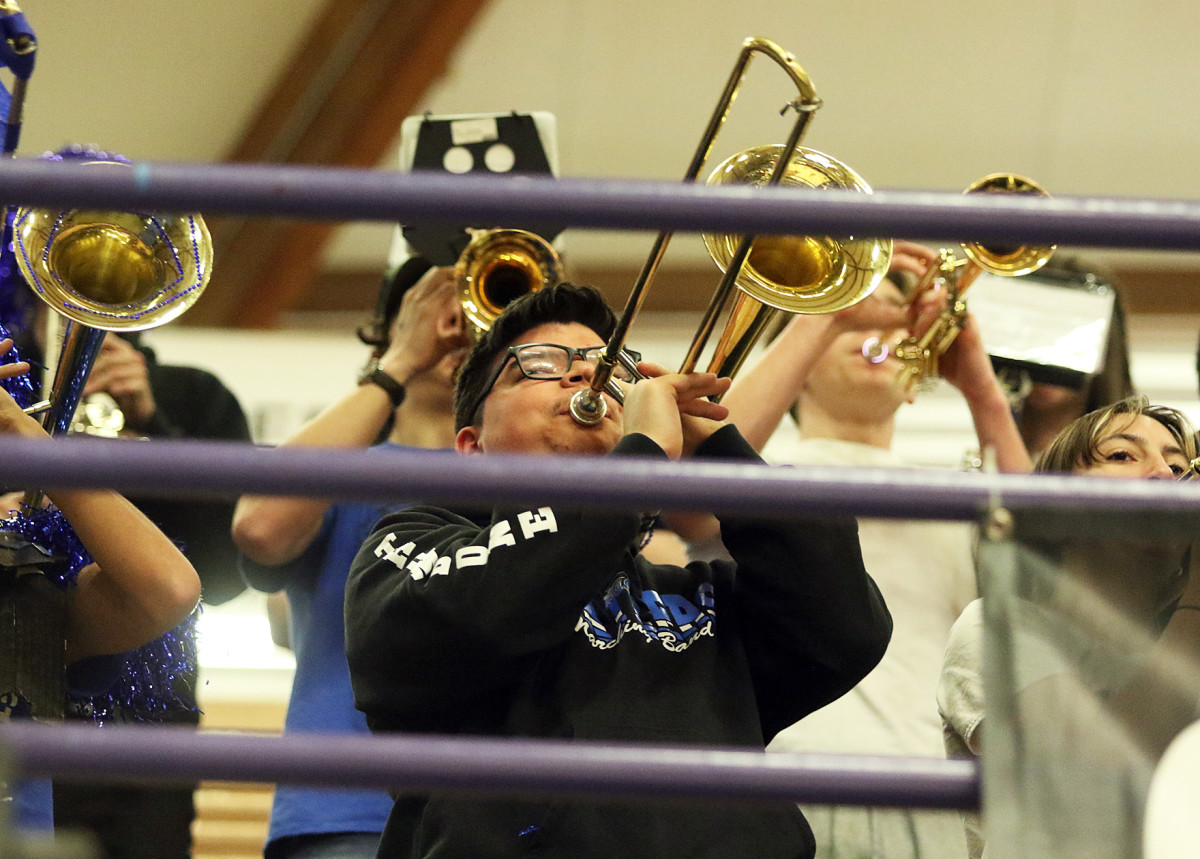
(1040, 322)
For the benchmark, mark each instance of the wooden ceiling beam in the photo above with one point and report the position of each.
(364, 66)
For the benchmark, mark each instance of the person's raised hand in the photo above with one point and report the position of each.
(672, 409)
(120, 371)
(911, 258)
(966, 364)
(428, 326)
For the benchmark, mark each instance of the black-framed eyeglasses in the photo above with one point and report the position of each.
(548, 361)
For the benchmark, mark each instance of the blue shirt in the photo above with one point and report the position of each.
(322, 700)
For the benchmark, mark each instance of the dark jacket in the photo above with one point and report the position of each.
(545, 623)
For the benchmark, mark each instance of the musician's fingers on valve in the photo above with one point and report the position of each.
(965, 364)
(883, 310)
(911, 259)
(120, 371)
(671, 409)
(925, 310)
(888, 308)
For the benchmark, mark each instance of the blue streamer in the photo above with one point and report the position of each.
(153, 683)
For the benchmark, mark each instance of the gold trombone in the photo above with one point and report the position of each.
(919, 355)
(498, 266)
(799, 274)
(106, 271)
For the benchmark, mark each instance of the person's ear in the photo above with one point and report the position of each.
(467, 441)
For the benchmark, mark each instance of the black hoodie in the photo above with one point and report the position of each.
(546, 623)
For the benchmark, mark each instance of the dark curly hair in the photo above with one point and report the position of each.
(563, 303)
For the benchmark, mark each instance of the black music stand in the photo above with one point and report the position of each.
(498, 144)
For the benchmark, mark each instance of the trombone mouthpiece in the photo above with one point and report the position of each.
(588, 407)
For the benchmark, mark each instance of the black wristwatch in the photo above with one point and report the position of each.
(376, 375)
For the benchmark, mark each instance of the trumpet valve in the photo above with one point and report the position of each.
(920, 363)
(910, 351)
(948, 327)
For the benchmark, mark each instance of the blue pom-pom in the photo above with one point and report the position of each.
(154, 681)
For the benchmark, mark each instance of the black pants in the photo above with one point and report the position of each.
(129, 821)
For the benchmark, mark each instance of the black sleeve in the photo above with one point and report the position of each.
(201, 528)
(813, 621)
(262, 577)
(193, 403)
(465, 605)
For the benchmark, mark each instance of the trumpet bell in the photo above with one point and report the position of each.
(499, 266)
(1007, 260)
(800, 274)
(114, 271)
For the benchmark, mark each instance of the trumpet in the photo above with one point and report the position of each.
(498, 266)
(798, 274)
(919, 355)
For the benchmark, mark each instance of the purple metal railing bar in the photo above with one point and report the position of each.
(358, 194)
(544, 767)
(178, 468)
(421, 764)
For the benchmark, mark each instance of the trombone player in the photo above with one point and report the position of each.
(549, 623)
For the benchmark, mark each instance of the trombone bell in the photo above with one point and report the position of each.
(106, 263)
(800, 274)
(801, 262)
(113, 271)
(106, 271)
